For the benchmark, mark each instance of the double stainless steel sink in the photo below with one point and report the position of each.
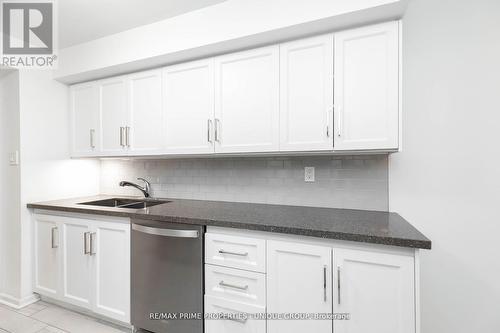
(125, 203)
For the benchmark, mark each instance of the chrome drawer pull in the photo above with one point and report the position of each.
(228, 285)
(244, 254)
(241, 321)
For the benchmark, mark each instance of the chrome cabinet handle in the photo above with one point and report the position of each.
(228, 285)
(241, 321)
(324, 283)
(121, 136)
(339, 125)
(92, 132)
(328, 122)
(52, 240)
(166, 232)
(338, 285)
(85, 242)
(240, 254)
(209, 130)
(92, 235)
(127, 136)
(217, 122)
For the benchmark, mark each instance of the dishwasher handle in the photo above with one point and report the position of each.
(166, 232)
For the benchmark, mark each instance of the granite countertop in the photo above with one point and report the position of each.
(343, 224)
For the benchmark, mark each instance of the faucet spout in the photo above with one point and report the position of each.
(146, 189)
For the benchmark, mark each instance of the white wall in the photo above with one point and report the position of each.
(33, 120)
(47, 173)
(224, 27)
(10, 231)
(446, 181)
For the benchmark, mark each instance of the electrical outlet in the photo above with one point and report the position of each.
(309, 174)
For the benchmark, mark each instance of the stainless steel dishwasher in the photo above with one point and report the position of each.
(167, 277)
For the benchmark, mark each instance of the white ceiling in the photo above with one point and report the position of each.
(84, 20)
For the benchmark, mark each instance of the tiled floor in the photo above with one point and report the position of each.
(42, 317)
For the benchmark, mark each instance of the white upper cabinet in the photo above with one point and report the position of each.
(115, 116)
(367, 88)
(299, 280)
(306, 94)
(85, 119)
(329, 93)
(146, 130)
(247, 101)
(377, 289)
(189, 107)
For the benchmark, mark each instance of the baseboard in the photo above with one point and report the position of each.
(86, 312)
(18, 303)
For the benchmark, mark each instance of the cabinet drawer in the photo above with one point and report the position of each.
(237, 252)
(217, 305)
(235, 285)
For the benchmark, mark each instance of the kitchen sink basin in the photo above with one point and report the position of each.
(124, 203)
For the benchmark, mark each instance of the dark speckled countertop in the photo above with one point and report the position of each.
(343, 224)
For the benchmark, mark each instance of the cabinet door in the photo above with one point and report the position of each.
(146, 129)
(189, 107)
(46, 256)
(306, 94)
(247, 101)
(76, 262)
(298, 281)
(237, 318)
(376, 289)
(114, 115)
(367, 88)
(85, 122)
(110, 251)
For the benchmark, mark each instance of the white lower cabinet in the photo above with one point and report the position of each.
(111, 271)
(236, 252)
(76, 262)
(237, 316)
(377, 290)
(235, 284)
(298, 282)
(373, 286)
(84, 262)
(47, 256)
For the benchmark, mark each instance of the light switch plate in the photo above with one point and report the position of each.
(309, 174)
(14, 158)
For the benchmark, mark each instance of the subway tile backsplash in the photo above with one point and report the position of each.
(358, 182)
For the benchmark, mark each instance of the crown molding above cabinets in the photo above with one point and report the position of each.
(332, 93)
(230, 26)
